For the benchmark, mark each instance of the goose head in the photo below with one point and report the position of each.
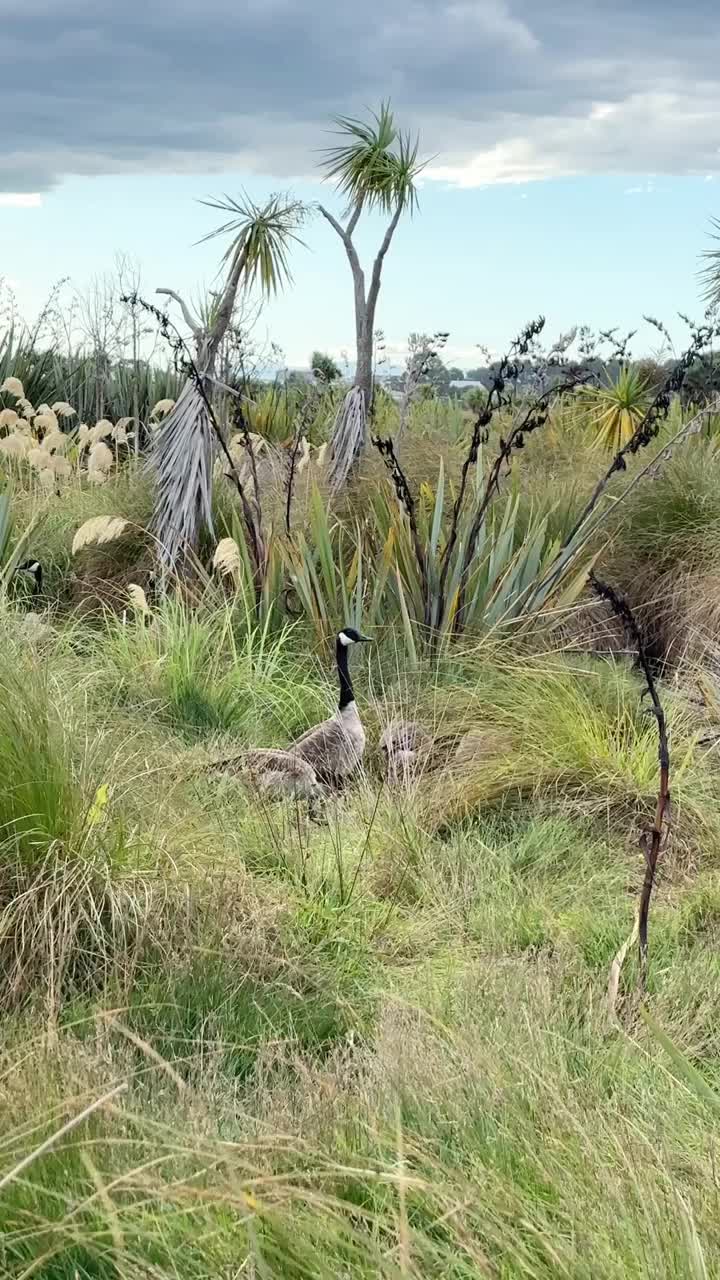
(350, 635)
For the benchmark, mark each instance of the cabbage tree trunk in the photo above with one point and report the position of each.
(350, 431)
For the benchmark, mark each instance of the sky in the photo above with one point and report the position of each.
(573, 148)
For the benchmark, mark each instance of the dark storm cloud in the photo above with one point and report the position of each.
(502, 91)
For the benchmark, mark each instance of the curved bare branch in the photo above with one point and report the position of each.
(192, 324)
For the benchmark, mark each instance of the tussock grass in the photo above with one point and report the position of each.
(128, 497)
(71, 901)
(577, 729)
(235, 1042)
(211, 667)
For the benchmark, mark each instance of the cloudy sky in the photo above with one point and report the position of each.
(575, 149)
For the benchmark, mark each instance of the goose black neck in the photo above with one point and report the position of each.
(346, 690)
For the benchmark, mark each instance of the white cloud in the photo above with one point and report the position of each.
(644, 189)
(676, 132)
(20, 199)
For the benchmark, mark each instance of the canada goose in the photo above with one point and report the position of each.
(405, 746)
(335, 747)
(34, 627)
(34, 569)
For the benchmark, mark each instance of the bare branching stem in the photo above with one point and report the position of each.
(386, 449)
(506, 372)
(533, 417)
(654, 842)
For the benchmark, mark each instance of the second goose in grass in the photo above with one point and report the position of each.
(335, 747)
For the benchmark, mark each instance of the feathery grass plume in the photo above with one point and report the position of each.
(46, 422)
(227, 559)
(25, 408)
(37, 457)
(8, 418)
(14, 445)
(99, 531)
(120, 433)
(55, 442)
(64, 409)
(137, 599)
(13, 387)
(162, 408)
(100, 462)
(101, 430)
(59, 465)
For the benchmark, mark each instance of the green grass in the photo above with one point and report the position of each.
(238, 1043)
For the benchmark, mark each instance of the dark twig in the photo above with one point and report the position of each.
(533, 417)
(291, 474)
(506, 373)
(240, 422)
(622, 610)
(386, 449)
(304, 419)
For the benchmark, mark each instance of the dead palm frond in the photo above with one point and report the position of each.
(183, 462)
(348, 437)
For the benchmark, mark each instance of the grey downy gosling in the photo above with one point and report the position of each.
(406, 746)
(272, 772)
(274, 775)
(335, 747)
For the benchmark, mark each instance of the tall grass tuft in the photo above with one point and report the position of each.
(70, 904)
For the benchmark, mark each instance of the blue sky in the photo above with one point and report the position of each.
(478, 262)
(576, 152)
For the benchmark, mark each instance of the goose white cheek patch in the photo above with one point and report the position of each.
(345, 640)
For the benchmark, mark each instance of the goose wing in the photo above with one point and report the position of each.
(329, 748)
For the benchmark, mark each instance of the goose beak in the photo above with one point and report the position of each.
(365, 639)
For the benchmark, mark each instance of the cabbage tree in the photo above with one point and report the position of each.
(260, 240)
(373, 167)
